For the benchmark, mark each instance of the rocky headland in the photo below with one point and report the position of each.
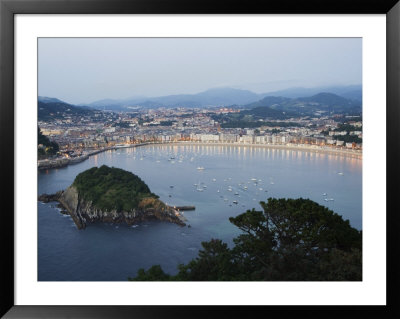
(111, 195)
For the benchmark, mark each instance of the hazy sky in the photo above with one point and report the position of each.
(82, 70)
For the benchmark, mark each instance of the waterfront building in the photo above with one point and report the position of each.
(227, 138)
(246, 139)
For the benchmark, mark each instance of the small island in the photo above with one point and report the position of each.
(111, 195)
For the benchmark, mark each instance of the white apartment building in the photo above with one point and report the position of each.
(247, 139)
(209, 138)
(109, 130)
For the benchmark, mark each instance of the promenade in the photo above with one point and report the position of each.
(297, 147)
(62, 162)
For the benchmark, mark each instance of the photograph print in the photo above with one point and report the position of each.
(199, 159)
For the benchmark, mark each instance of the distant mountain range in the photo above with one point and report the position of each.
(212, 97)
(279, 103)
(322, 103)
(353, 92)
(220, 97)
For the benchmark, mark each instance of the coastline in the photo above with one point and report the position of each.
(62, 162)
(59, 163)
(83, 212)
(293, 147)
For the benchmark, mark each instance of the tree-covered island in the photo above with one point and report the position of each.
(112, 195)
(290, 240)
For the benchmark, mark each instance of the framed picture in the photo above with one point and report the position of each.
(194, 99)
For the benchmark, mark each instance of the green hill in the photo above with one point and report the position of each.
(53, 109)
(321, 102)
(111, 188)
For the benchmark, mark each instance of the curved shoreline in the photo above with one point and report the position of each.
(59, 163)
(316, 149)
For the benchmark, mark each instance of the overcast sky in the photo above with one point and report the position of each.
(87, 69)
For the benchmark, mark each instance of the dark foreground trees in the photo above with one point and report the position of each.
(291, 240)
(46, 147)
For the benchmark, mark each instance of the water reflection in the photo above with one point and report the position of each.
(277, 173)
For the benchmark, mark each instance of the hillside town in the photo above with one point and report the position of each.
(79, 136)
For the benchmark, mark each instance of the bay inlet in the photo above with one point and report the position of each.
(233, 179)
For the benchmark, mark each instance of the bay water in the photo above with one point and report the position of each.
(220, 181)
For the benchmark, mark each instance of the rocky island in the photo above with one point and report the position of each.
(111, 195)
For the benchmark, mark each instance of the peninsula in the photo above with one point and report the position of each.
(111, 195)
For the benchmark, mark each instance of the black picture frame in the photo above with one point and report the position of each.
(8, 8)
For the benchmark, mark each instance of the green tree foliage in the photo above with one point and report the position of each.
(346, 127)
(213, 263)
(112, 188)
(290, 240)
(349, 138)
(49, 147)
(155, 273)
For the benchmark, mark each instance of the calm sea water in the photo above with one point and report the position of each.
(248, 175)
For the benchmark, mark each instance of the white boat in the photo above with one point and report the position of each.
(340, 173)
(324, 194)
(214, 180)
(235, 201)
(254, 179)
(200, 168)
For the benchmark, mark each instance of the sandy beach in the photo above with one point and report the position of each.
(57, 163)
(294, 147)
